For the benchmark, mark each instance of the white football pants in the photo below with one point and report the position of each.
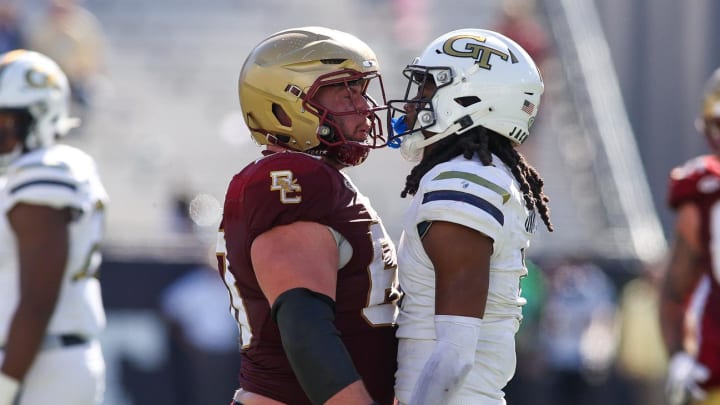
(71, 375)
(495, 361)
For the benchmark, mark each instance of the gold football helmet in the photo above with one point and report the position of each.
(283, 73)
(708, 122)
(711, 101)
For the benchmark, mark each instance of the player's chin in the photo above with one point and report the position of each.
(360, 136)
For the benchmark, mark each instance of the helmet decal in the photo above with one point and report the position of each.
(480, 52)
(39, 78)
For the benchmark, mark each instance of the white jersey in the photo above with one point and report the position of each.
(487, 199)
(58, 176)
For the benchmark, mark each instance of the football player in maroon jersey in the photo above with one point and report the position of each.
(690, 294)
(310, 269)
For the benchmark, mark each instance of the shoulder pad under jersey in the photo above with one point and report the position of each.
(696, 178)
(59, 176)
(466, 192)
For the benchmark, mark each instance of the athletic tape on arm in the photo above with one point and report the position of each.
(452, 359)
(9, 388)
(312, 344)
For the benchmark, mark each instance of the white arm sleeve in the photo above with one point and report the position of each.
(450, 362)
(8, 389)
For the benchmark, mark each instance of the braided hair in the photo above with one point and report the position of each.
(484, 143)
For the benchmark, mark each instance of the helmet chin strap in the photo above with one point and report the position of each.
(456, 128)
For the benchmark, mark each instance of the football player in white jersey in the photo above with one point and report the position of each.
(51, 224)
(471, 98)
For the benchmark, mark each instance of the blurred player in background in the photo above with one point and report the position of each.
(690, 292)
(74, 38)
(471, 98)
(52, 221)
(310, 268)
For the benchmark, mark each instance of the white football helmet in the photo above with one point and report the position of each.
(32, 82)
(482, 78)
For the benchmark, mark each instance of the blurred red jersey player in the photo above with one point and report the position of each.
(690, 295)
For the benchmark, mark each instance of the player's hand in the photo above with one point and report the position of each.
(684, 376)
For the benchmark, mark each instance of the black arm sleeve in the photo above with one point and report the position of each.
(318, 357)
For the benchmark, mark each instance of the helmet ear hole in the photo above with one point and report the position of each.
(280, 114)
(467, 101)
(38, 109)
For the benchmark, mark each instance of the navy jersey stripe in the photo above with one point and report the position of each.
(19, 187)
(466, 198)
(423, 227)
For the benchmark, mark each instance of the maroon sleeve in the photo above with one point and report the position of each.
(696, 178)
(276, 190)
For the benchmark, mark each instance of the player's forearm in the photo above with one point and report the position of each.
(24, 340)
(355, 393)
(313, 346)
(680, 278)
(672, 320)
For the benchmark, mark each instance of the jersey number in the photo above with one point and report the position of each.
(237, 308)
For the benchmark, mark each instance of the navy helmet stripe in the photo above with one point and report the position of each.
(466, 198)
(19, 187)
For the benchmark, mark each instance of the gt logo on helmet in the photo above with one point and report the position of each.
(40, 79)
(481, 53)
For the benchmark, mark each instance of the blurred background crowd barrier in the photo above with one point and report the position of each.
(155, 84)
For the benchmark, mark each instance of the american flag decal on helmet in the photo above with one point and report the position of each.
(528, 107)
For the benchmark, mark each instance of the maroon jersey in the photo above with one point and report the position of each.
(698, 182)
(283, 188)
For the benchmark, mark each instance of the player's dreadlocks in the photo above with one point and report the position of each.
(485, 142)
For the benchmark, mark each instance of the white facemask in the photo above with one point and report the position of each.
(7, 158)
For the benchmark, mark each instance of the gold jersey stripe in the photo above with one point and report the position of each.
(475, 179)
